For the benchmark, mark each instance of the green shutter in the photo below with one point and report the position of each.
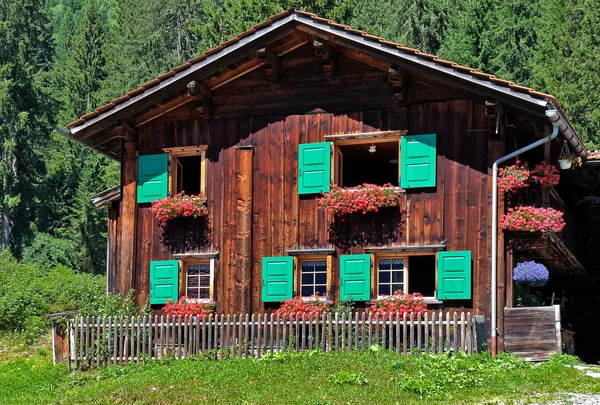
(418, 155)
(164, 281)
(153, 177)
(355, 277)
(314, 167)
(277, 278)
(454, 275)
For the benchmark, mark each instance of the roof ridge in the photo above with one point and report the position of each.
(419, 54)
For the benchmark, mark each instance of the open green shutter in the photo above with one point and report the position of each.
(153, 177)
(277, 278)
(355, 277)
(164, 281)
(418, 155)
(454, 275)
(314, 167)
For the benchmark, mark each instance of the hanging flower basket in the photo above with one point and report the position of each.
(533, 219)
(545, 175)
(564, 164)
(513, 178)
(518, 176)
(179, 206)
(365, 198)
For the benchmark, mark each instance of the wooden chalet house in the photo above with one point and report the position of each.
(265, 123)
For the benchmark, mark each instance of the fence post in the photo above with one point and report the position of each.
(557, 326)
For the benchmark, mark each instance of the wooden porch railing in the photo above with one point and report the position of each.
(110, 340)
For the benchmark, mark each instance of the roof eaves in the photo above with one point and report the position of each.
(196, 65)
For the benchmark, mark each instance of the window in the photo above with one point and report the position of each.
(407, 273)
(391, 275)
(199, 280)
(313, 277)
(374, 163)
(187, 170)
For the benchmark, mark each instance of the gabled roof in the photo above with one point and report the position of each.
(142, 98)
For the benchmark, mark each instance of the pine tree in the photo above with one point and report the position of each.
(26, 116)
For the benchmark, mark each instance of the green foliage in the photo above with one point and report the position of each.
(29, 292)
(303, 378)
(112, 305)
(345, 377)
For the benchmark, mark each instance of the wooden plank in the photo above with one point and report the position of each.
(243, 251)
(127, 252)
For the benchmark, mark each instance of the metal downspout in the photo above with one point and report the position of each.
(550, 114)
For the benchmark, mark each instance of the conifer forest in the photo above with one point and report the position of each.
(60, 59)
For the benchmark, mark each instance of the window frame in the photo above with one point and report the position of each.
(185, 151)
(298, 274)
(375, 257)
(337, 165)
(183, 281)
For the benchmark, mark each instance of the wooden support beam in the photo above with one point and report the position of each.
(128, 206)
(329, 59)
(162, 109)
(202, 96)
(271, 63)
(243, 254)
(399, 81)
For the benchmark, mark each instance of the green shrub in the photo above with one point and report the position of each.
(112, 305)
(28, 293)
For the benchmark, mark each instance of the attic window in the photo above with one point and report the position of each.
(374, 163)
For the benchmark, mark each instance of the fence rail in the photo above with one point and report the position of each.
(120, 340)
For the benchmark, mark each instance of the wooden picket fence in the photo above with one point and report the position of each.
(121, 340)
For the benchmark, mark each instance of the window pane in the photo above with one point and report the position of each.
(321, 265)
(384, 289)
(308, 266)
(204, 281)
(307, 291)
(397, 286)
(192, 293)
(321, 289)
(321, 278)
(397, 276)
(192, 281)
(384, 277)
(307, 278)
(193, 269)
(204, 293)
(398, 264)
(204, 268)
(385, 264)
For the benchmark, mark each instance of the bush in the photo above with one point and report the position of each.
(112, 304)
(29, 292)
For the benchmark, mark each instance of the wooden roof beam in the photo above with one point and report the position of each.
(270, 63)
(162, 109)
(202, 96)
(328, 58)
(399, 80)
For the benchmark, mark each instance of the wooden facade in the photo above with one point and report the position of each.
(251, 113)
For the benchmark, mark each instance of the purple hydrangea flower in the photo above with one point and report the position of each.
(532, 273)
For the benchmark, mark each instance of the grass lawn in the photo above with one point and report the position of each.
(308, 378)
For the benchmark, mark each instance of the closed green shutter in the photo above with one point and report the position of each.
(153, 177)
(164, 281)
(418, 154)
(277, 278)
(355, 277)
(314, 167)
(454, 275)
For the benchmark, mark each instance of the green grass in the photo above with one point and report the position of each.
(309, 378)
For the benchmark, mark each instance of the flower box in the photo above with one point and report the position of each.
(363, 198)
(533, 219)
(179, 206)
(517, 176)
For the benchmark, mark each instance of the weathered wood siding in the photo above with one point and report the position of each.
(533, 333)
(302, 108)
(455, 212)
